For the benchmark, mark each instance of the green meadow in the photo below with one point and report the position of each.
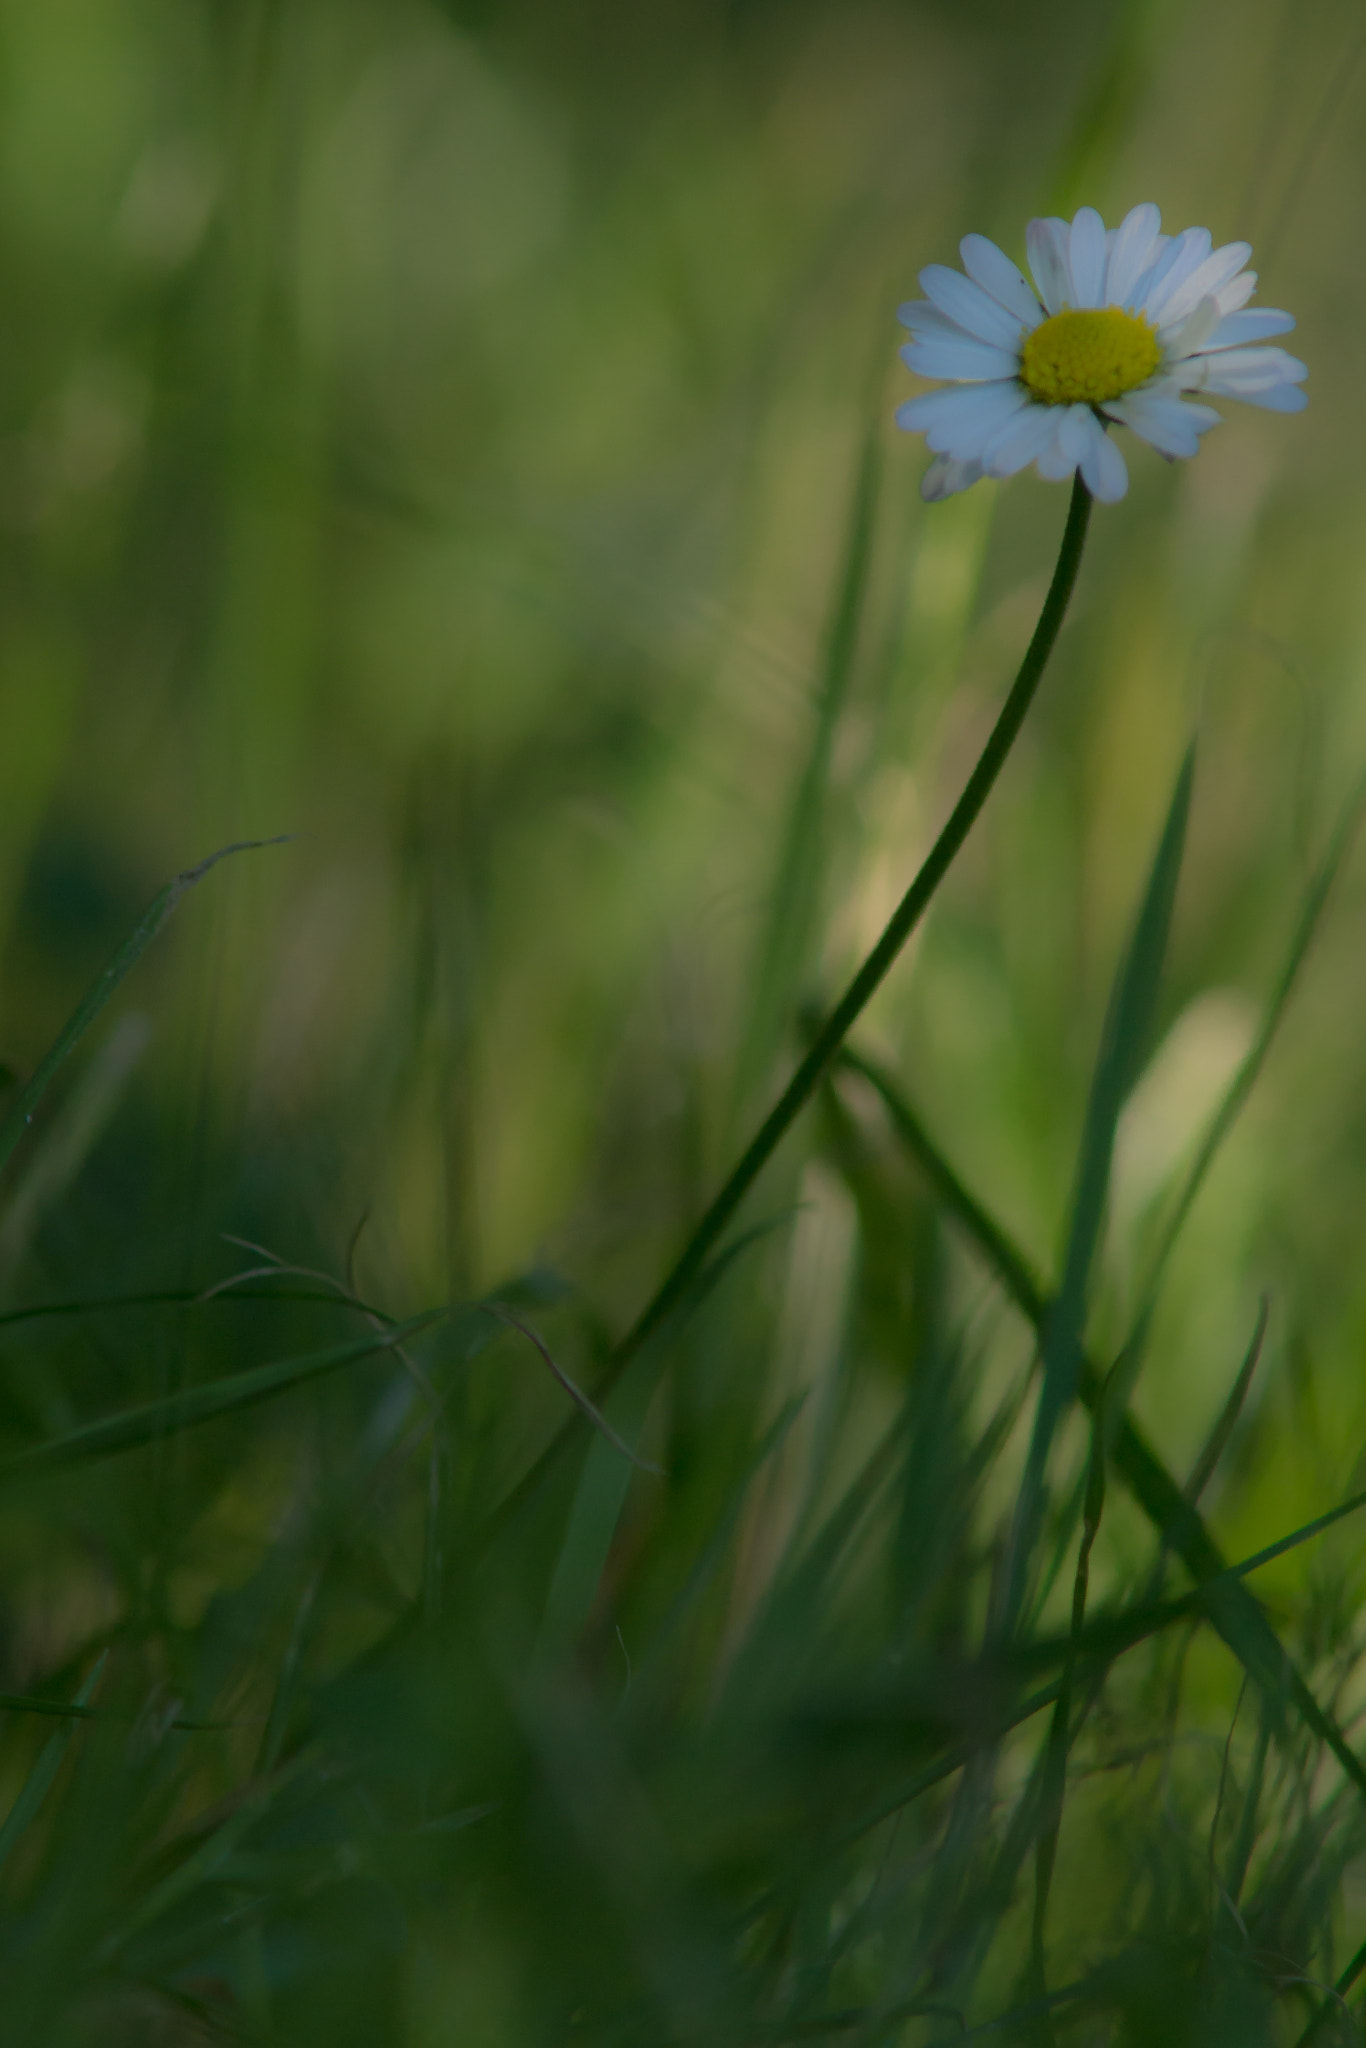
(447, 470)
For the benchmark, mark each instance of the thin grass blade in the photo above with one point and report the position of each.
(1226, 1115)
(196, 1405)
(793, 920)
(1234, 1612)
(20, 1116)
(1124, 1047)
(38, 1783)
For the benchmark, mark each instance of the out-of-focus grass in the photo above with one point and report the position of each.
(459, 437)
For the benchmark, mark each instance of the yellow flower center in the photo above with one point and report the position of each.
(1084, 358)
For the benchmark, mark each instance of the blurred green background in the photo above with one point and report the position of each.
(445, 433)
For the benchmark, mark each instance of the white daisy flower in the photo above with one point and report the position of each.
(1120, 325)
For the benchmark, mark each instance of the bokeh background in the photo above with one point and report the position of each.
(434, 433)
(459, 437)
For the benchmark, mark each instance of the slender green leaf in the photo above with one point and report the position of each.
(1216, 1443)
(701, 1286)
(1124, 1047)
(598, 1501)
(826, 1042)
(199, 1866)
(38, 1783)
(195, 1405)
(1233, 1610)
(20, 1115)
(792, 925)
(1241, 1086)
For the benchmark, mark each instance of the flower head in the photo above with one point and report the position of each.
(1121, 323)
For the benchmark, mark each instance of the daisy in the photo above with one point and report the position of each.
(1120, 324)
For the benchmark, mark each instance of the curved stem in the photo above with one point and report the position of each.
(903, 921)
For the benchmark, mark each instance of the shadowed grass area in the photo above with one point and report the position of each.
(476, 1565)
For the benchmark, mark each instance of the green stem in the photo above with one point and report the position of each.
(900, 925)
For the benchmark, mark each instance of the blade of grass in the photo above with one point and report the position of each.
(1124, 1048)
(1101, 1640)
(722, 1535)
(501, 1313)
(688, 1275)
(200, 1864)
(598, 1501)
(531, 1479)
(38, 1783)
(1332, 2004)
(195, 1405)
(1108, 1634)
(1063, 1730)
(1000, 1252)
(1235, 1096)
(1236, 1615)
(20, 1115)
(870, 975)
(70, 1137)
(795, 897)
(1202, 1471)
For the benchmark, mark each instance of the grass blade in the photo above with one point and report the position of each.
(38, 1783)
(795, 898)
(196, 1405)
(1235, 1613)
(1124, 1047)
(20, 1116)
(1241, 1086)
(826, 1042)
(1227, 1419)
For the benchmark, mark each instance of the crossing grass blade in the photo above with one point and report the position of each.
(1307, 924)
(793, 924)
(1107, 1634)
(702, 1285)
(1235, 1613)
(202, 1861)
(194, 1406)
(1124, 1048)
(598, 1501)
(826, 1042)
(38, 1783)
(1216, 1443)
(150, 924)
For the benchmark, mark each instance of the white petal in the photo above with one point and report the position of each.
(1021, 441)
(961, 421)
(968, 361)
(1164, 422)
(1086, 257)
(1241, 372)
(1069, 442)
(1102, 466)
(993, 270)
(1203, 282)
(1046, 242)
(974, 309)
(1132, 251)
(922, 318)
(945, 477)
(1183, 254)
(1258, 323)
(1191, 334)
(1278, 398)
(1133, 298)
(1237, 292)
(1055, 463)
(1074, 429)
